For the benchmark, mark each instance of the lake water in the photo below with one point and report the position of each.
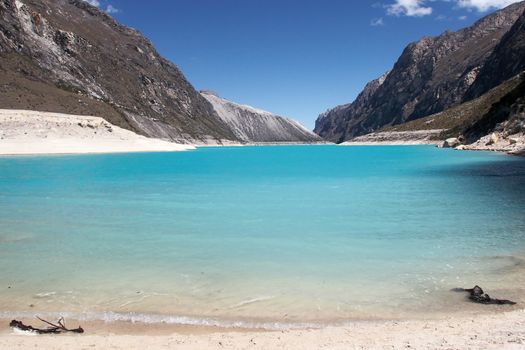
(273, 236)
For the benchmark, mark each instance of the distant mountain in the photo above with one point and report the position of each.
(432, 75)
(330, 124)
(255, 125)
(68, 56)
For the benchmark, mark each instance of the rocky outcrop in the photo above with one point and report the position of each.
(68, 56)
(502, 128)
(451, 142)
(257, 126)
(431, 76)
(507, 116)
(512, 144)
(506, 61)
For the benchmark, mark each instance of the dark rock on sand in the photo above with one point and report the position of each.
(477, 295)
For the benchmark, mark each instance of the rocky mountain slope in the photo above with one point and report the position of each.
(330, 124)
(454, 121)
(432, 75)
(255, 125)
(494, 121)
(506, 61)
(68, 56)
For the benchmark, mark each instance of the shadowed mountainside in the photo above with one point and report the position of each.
(432, 75)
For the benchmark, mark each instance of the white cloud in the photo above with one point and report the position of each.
(485, 5)
(377, 22)
(93, 2)
(112, 9)
(412, 8)
(462, 18)
(109, 8)
(420, 8)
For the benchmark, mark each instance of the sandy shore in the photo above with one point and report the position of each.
(32, 132)
(396, 138)
(505, 330)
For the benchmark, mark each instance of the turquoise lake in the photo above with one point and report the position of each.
(260, 236)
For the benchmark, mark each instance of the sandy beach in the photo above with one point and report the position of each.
(503, 330)
(31, 132)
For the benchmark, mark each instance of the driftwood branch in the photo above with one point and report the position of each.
(59, 327)
(477, 295)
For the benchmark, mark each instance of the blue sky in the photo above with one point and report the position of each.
(291, 57)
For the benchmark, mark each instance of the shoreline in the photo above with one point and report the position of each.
(120, 321)
(483, 331)
(32, 133)
(494, 142)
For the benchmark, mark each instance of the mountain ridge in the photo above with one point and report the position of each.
(431, 75)
(251, 124)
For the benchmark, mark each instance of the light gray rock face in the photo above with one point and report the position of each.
(431, 75)
(254, 125)
(68, 56)
(506, 61)
(451, 142)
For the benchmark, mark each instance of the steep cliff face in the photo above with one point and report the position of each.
(475, 118)
(506, 61)
(67, 56)
(430, 76)
(255, 125)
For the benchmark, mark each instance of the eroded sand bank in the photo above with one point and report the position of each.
(32, 132)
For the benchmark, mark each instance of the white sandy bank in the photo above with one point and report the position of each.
(419, 137)
(33, 132)
(495, 331)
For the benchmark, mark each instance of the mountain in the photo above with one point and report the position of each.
(506, 61)
(68, 56)
(431, 75)
(505, 117)
(255, 125)
(473, 119)
(329, 124)
(494, 121)
(493, 116)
